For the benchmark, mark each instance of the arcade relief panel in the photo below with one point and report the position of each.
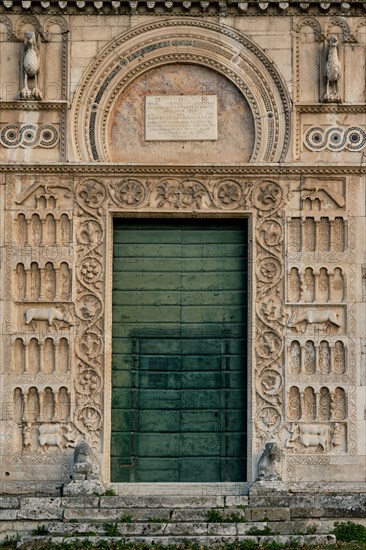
(57, 308)
(320, 360)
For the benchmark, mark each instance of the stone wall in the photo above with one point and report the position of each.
(290, 157)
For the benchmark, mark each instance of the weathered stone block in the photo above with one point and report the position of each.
(243, 528)
(61, 529)
(282, 539)
(239, 500)
(305, 512)
(9, 502)
(80, 502)
(40, 503)
(141, 528)
(221, 529)
(271, 514)
(91, 514)
(186, 529)
(37, 514)
(8, 515)
(83, 487)
(188, 515)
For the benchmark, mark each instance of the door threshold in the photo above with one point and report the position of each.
(182, 489)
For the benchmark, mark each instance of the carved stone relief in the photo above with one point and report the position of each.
(42, 284)
(31, 63)
(322, 285)
(305, 232)
(335, 138)
(320, 362)
(55, 382)
(333, 72)
(41, 355)
(29, 135)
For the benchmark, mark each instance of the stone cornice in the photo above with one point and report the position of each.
(330, 108)
(33, 105)
(247, 170)
(186, 7)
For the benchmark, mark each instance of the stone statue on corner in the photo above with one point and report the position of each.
(31, 63)
(333, 72)
(86, 472)
(85, 463)
(269, 462)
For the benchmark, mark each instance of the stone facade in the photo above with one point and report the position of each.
(290, 155)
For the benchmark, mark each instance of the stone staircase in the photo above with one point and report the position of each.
(212, 520)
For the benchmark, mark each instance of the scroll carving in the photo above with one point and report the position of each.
(91, 196)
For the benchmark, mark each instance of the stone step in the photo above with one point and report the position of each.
(144, 514)
(202, 540)
(187, 529)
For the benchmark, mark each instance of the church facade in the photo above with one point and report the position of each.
(183, 241)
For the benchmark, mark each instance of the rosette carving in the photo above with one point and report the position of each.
(91, 197)
(231, 194)
(129, 193)
(269, 199)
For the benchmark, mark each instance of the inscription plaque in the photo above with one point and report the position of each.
(181, 118)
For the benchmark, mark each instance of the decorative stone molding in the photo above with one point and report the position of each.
(183, 41)
(29, 135)
(335, 139)
(256, 7)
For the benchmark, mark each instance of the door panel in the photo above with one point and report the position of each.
(179, 351)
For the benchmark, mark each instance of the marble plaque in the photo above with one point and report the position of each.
(181, 118)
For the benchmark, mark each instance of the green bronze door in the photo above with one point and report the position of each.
(179, 376)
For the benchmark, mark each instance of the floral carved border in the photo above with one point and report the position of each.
(264, 200)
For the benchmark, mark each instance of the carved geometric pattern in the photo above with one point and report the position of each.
(335, 139)
(29, 135)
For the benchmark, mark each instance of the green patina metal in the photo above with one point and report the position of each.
(179, 397)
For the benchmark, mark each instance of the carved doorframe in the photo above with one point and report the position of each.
(92, 195)
(101, 199)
